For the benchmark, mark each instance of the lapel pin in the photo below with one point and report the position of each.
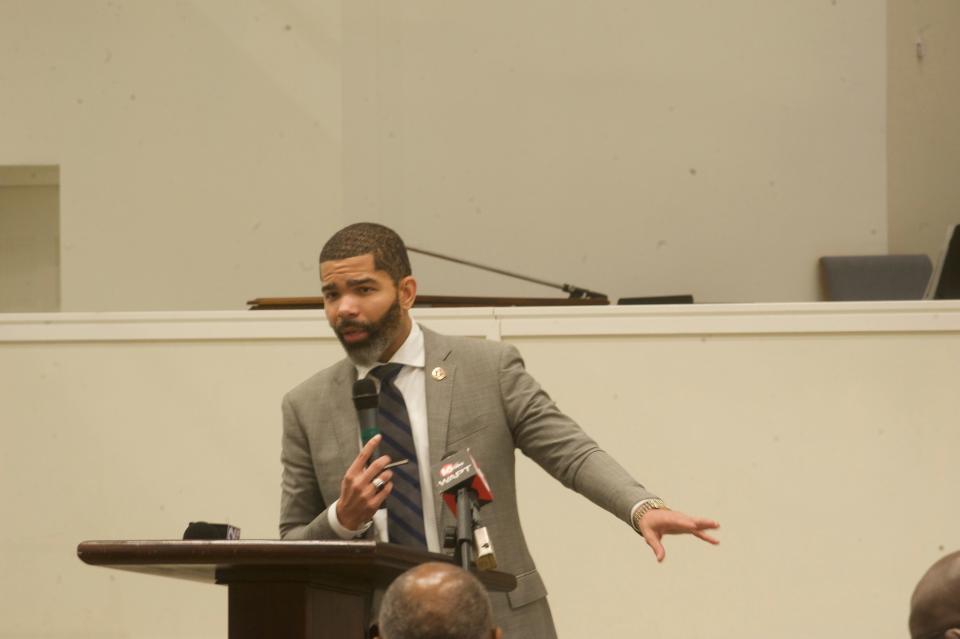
(438, 374)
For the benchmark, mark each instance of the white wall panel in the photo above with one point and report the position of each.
(825, 452)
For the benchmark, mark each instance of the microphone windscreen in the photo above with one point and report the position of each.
(365, 394)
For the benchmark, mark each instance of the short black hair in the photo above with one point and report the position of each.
(389, 252)
(450, 604)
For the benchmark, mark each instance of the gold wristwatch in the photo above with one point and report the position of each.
(644, 508)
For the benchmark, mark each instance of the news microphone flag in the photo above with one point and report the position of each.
(457, 470)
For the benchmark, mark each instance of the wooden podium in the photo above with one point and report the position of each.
(281, 589)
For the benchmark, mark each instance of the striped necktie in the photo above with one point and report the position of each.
(405, 502)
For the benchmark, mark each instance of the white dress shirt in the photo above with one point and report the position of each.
(410, 382)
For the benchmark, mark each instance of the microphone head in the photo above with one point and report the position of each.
(365, 394)
(457, 470)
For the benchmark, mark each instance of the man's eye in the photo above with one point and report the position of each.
(365, 289)
(330, 296)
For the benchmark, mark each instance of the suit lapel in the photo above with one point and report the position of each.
(439, 396)
(346, 425)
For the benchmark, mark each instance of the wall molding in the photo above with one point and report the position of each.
(499, 323)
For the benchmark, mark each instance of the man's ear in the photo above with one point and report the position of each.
(407, 288)
(498, 634)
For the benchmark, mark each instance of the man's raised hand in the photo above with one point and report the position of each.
(359, 497)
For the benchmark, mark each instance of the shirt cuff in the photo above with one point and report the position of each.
(340, 529)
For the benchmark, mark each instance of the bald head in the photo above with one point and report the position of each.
(436, 601)
(935, 605)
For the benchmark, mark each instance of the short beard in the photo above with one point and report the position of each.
(380, 335)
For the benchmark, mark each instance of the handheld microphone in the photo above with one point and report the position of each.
(366, 400)
(457, 470)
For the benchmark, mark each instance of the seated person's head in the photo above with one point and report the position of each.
(935, 605)
(436, 601)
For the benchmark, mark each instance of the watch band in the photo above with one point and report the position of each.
(645, 507)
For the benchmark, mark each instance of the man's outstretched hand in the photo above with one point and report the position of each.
(659, 522)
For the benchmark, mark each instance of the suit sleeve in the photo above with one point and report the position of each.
(303, 513)
(559, 445)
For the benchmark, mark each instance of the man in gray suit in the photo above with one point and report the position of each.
(439, 395)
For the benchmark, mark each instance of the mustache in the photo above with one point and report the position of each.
(350, 323)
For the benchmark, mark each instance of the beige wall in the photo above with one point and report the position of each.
(199, 143)
(821, 437)
(29, 239)
(634, 148)
(207, 148)
(924, 131)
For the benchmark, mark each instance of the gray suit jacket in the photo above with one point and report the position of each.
(488, 403)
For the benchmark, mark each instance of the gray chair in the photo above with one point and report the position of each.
(874, 277)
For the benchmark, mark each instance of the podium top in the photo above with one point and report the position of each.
(371, 563)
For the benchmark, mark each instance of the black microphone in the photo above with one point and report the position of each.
(366, 400)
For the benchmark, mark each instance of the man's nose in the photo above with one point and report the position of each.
(348, 307)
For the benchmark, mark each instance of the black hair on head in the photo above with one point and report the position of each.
(389, 253)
